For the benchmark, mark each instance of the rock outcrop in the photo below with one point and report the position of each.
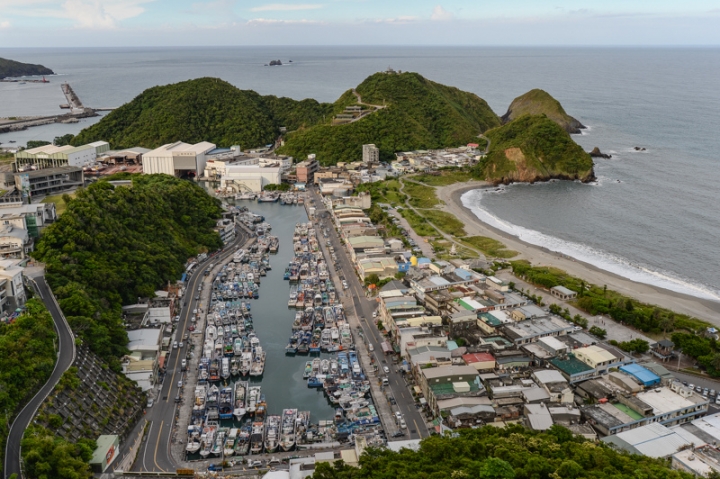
(540, 102)
(596, 153)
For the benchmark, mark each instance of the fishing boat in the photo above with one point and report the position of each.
(258, 363)
(226, 402)
(239, 411)
(217, 448)
(308, 370)
(287, 434)
(229, 449)
(292, 346)
(256, 437)
(208, 441)
(253, 399)
(242, 443)
(225, 371)
(272, 434)
(193, 441)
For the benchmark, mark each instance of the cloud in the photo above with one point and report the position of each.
(86, 14)
(285, 7)
(439, 13)
(4, 24)
(273, 21)
(403, 19)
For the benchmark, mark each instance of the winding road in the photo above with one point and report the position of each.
(65, 357)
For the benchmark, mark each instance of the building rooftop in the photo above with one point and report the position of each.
(549, 376)
(478, 358)
(537, 327)
(596, 353)
(563, 290)
(640, 373)
(571, 365)
(653, 440)
(446, 371)
(59, 170)
(664, 400)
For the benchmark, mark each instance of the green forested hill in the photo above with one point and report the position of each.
(114, 244)
(533, 148)
(11, 68)
(205, 109)
(27, 359)
(418, 114)
(540, 102)
(513, 452)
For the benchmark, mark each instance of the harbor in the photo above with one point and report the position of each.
(247, 390)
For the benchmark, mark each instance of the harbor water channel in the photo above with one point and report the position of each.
(282, 383)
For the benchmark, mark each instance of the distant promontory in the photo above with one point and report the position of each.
(540, 102)
(11, 68)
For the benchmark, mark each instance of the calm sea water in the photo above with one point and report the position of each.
(652, 216)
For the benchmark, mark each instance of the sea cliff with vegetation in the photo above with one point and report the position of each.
(12, 68)
(395, 111)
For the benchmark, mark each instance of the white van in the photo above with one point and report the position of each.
(371, 348)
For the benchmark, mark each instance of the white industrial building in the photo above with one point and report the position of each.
(178, 159)
(51, 156)
(251, 175)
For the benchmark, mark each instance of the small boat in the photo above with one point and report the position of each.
(287, 436)
(242, 443)
(194, 439)
(272, 434)
(230, 442)
(239, 411)
(256, 437)
(217, 448)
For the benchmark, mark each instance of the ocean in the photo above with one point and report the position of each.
(652, 216)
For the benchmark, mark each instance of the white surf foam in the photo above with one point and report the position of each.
(601, 259)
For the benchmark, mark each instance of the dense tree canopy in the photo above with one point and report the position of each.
(419, 114)
(510, 453)
(27, 359)
(47, 456)
(115, 244)
(204, 109)
(531, 148)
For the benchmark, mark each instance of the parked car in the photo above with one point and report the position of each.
(371, 348)
(175, 344)
(150, 402)
(386, 369)
(180, 383)
(399, 434)
(402, 424)
(181, 344)
(398, 415)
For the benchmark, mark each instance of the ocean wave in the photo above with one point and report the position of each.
(587, 254)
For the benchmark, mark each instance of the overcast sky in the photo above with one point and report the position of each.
(48, 23)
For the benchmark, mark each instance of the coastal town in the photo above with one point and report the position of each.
(324, 286)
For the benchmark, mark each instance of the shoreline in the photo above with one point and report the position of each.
(540, 256)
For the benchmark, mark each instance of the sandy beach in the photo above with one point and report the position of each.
(681, 303)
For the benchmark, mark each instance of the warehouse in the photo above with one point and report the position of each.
(178, 159)
(51, 156)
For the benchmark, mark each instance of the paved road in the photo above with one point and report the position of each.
(154, 454)
(66, 356)
(364, 309)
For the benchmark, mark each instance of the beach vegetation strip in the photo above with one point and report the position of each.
(489, 246)
(386, 192)
(446, 222)
(418, 223)
(595, 300)
(421, 196)
(444, 177)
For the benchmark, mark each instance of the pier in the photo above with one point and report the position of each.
(77, 111)
(73, 102)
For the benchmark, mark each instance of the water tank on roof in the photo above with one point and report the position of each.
(413, 260)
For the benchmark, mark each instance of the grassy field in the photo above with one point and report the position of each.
(443, 247)
(489, 246)
(60, 205)
(446, 177)
(421, 196)
(387, 192)
(418, 223)
(446, 222)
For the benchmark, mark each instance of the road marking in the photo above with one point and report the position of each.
(157, 443)
(417, 428)
(146, 445)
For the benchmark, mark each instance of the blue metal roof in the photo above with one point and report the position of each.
(644, 375)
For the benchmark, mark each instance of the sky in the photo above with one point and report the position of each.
(93, 23)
